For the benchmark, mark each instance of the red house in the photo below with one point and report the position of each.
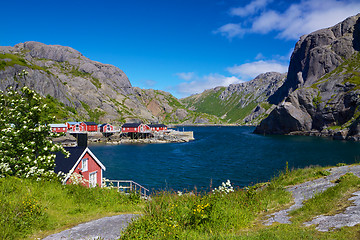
(135, 128)
(106, 127)
(157, 127)
(82, 162)
(90, 126)
(75, 127)
(59, 128)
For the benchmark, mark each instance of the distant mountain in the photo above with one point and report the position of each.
(321, 95)
(79, 88)
(244, 103)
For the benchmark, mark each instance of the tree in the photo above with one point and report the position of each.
(26, 148)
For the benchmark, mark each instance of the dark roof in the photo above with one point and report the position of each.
(105, 124)
(131, 125)
(90, 123)
(66, 164)
(157, 125)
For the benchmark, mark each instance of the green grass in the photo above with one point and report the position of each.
(9, 60)
(58, 109)
(239, 215)
(94, 115)
(30, 208)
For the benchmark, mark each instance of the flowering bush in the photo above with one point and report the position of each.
(78, 179)
(25, 146)
(224, 188)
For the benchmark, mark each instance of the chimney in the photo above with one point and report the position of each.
(81, 139)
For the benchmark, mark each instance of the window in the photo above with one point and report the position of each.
(84, 164)
(92, 179)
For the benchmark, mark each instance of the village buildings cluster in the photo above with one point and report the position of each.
(85, 127)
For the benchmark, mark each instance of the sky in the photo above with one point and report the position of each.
(179, 46)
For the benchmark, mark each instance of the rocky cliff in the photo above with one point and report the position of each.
(81, 89)
(321, 93)
(244, 103)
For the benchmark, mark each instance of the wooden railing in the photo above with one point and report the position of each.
(127, 186)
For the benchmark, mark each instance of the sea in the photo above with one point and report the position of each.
(218, 154)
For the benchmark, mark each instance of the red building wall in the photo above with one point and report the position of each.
(105, 128)
(73, 128)
(92, 167)
(89, 128)
(59, 129)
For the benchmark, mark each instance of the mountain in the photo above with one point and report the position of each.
(321, 94)
(77, 88)
(243, 103)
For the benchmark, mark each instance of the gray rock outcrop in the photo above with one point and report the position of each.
(322, 87)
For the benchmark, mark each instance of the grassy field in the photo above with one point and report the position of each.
(30, 209)
(239, 214)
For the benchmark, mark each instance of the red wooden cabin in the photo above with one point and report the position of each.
(90, 126)
(135, 128)
(75, 127)
(59, 128)
(81, 161)
(106, 127)
(157, 127)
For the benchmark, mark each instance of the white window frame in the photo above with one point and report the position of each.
(85, 165)
(93, 179)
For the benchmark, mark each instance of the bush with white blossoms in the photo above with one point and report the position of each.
(78, 179)
(224, 188)
(26, 150)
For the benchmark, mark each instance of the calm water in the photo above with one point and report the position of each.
(218, 154)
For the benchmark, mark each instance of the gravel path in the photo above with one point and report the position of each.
(107, 228)
(307, 190)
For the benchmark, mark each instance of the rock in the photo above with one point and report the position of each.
(319, 53)
(318, 92)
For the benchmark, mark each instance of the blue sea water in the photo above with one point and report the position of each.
(218, 154)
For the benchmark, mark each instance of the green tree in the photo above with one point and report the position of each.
(26, 148)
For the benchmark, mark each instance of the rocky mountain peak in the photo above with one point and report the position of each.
(319, 53)
(321, 93)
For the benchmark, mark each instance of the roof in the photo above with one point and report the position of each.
(57, 125)
(90, 123)
(131, 125)
(73, 123)
(104, 124)
(67, 165)
(157, 125)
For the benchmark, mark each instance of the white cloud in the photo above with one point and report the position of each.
(253, 69)
(187, 76)
(296, 20)
(206, 82)
(231, 30)
(249, 9)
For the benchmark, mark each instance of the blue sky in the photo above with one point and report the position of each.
(179, 46)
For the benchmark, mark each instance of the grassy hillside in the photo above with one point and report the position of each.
(239, 214)
(231, 110)
(30, 208)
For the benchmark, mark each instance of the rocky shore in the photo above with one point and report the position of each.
(170, 136)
